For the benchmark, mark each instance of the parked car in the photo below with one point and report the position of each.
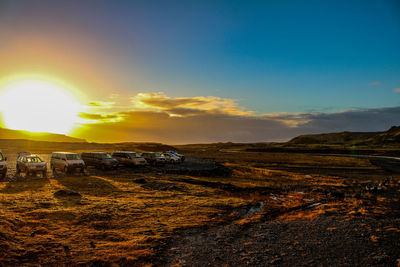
(154, 158)
(101, 160)
(129, 158)
(182, 157)
(3, 165)
(171, 158)
(67, 162)
(30, 164)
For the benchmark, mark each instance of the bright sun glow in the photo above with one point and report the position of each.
(38, 106)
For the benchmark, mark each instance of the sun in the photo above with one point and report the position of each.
(38, 105)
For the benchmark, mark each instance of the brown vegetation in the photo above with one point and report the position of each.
(274, 208)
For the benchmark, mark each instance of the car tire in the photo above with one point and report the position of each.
(66, 170)
(3, 175)
(103, 167)
(44, 174)
(53, 170)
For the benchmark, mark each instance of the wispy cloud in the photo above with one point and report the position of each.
(375, 83)
(100, 104)
(186, 106)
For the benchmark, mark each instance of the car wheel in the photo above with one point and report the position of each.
(44, 174)
(66, 170)
(53, 170)
(103, 167)
(17, 171)
(3, 175)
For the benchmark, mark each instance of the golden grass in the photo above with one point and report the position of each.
(120, 217)
(116, 217)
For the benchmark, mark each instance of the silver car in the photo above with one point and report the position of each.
(67, 162)
(129, 158)
(31, 165)
(3, 165)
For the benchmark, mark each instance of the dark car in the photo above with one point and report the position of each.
(154, 158)
(3, 165)
(101, 160)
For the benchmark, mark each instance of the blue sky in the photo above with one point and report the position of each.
(271, 56)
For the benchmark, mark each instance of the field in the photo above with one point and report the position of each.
(220, 208)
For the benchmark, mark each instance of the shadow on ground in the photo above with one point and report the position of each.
(89, 185)
(22, 186)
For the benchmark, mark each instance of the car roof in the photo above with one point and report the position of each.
(95, 153)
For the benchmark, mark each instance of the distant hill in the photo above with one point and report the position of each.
(50, 137)
(391, 136)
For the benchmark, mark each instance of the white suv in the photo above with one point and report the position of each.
(67, 162)
(3, 165)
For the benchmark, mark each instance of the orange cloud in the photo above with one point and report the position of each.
(187, 106)
(375, 83)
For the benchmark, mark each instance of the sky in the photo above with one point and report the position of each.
(209, 71)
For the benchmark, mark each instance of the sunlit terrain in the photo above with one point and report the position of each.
(269, 207)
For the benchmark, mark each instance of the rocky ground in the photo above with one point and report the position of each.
(203, 213)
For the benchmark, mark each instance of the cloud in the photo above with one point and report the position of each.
(100, 104)
(184, 106)
(97, 118)
(211, 119)
(396, 90)
(374, 83)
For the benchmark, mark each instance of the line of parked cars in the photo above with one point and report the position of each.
(68, 162)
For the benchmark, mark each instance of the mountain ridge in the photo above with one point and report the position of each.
(9, 134)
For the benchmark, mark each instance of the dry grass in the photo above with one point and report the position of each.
(117, 220)
(121, 218)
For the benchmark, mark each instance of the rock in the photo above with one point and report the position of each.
(67, 193)
(275, 261)
(337, 194)
(66, 248)
(140, 181)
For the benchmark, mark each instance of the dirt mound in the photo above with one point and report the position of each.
(163, 186)
(66, 193)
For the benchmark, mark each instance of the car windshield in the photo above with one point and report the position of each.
(33, 159)
(73, 156)
(106, 156)
(134, 155)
